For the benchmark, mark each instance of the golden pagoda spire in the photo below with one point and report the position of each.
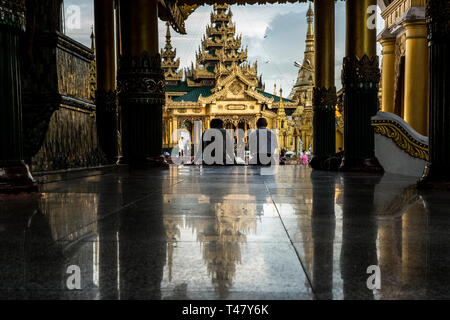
(305, 77)
(168, 62)
(274, 89)
(309, 42)
(309, 19)
(281, 111)
(92, 39)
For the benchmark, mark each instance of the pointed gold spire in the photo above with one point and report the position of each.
(92, 39)
(305, 77)
(168, 62)
(168, 34)
(281, 111)
(310, 20)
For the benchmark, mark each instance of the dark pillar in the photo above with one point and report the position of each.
(324, 94)
(140, 82)
(323, 223)
(15, 176)
(360, 80)
(359, 235)
(106, 97)
(437, 172)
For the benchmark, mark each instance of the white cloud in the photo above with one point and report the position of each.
(273, 33)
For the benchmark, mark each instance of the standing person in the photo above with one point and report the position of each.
(305, 160)
(263, 145)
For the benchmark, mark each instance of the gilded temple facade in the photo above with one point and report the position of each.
(222, 84)
(405, 62)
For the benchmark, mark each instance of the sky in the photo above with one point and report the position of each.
(275, 36)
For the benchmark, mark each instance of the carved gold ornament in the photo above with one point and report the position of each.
(402, 138)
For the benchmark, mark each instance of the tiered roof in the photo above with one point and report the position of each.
(219, 59)
(168, 62)
(220, 49)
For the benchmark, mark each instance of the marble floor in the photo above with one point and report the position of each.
(225, 233)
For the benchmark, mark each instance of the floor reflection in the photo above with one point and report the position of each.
(359, 235)
(323, 231)
(218, 234)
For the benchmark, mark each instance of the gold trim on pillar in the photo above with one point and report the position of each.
(360, 73)
(141, 80)
(325, 98)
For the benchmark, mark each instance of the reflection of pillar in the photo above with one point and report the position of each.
(141, 81)
(323, 228)
(359, 236)
(388, 74)
(141, 266)
(389, 239)
(14, 174)
(108, 241)
(360, 79)
(437, 242)
(105, 98)
(324, 99)
(438, 43)
(414, 227)
(416, 76)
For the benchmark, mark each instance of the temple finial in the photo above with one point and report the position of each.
(92, 38)
(310, 12)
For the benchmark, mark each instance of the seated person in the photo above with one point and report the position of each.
(263, 145)
(210, 146)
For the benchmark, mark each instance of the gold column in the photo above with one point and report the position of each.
(139, 24)
(175, 129)
(387, 76)
(324, 43)
(170, 121)
(360, 39)
(360, 81)
(105, 47)
(141, 83)
(324, 92)
(106, 96)
(416, 76)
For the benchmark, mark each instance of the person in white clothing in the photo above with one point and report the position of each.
(263, 145)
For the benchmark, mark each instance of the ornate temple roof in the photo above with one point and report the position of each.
(168, 62)
(220, 60)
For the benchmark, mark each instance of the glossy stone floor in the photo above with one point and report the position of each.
(226, 233)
